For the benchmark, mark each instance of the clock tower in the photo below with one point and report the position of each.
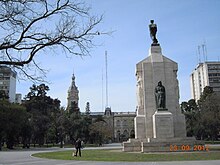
(73, 97)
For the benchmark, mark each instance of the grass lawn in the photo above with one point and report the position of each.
(118, 155)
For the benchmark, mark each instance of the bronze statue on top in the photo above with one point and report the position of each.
(153, 31)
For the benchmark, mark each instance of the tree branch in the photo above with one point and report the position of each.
(30, 26)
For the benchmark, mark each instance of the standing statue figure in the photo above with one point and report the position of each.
(160, 96)
(139, 91)
(153, 31)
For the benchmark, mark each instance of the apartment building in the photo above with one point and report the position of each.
(205, 74)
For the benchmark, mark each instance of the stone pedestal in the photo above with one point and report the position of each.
(149, 72)
(139, 123)
(132, 145)
(163, 125)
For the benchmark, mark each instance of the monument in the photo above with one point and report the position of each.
(159, 123)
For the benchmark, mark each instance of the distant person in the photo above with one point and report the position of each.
(78, 146)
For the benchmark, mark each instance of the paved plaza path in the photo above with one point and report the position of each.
(25, 158)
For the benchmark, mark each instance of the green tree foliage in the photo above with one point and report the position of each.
(210, 115)
(62, 123)
(203, 118)
(75, 126)
(207, 91)
(42, 108)
(26, 132)
(40, 120)
(56, 130)
(13, 119)
(3, 95)
(193, 118)
(100, 131)
(86, 122)
(50, 123)
(4, 106)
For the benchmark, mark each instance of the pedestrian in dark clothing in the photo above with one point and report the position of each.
(78, 146)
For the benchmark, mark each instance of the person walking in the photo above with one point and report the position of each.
(78, 146)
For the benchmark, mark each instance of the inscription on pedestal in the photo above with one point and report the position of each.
(163, 125)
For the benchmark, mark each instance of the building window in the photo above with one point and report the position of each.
(125, 135)
(118, 123)
(118, 136)
(132, 134)
(125, 123)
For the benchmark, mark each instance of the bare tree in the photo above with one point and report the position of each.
(29, 27)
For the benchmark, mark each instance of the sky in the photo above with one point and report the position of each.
(182, 26)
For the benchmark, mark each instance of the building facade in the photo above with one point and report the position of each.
(124, 126)
(18, 98)
(205, 74)
(121, 124)
(8, 82)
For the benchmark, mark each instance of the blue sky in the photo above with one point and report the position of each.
(182, 27)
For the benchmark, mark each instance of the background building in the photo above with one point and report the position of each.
(18, 98)
(124, 126)
(8, 82)
(121, 124)
(205, 74)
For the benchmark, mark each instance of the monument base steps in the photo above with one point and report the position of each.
(164, 145)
